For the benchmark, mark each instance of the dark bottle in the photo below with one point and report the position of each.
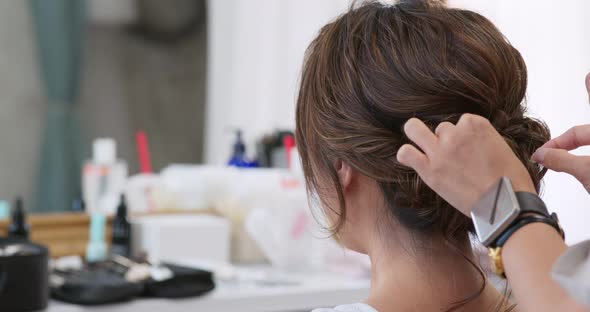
(18, 227)
(121, 231)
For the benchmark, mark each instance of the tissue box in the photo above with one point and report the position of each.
(173, 238)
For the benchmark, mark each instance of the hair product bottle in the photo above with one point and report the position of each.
(18, 227)
(121, 231)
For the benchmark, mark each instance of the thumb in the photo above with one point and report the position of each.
(562, 161)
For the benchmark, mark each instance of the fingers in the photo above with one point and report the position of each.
(410, 156)
(571, 139)
(475, 121)
(562, 161)
(420, 134)
(442, 128)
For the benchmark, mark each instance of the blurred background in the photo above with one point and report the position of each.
(154, 99)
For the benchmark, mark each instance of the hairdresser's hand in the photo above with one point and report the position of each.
(460, 162)
(554, 154)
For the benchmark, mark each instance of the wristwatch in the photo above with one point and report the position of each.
(501, 212)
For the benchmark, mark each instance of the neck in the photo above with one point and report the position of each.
(426, 279)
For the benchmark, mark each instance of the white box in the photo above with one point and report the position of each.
(182, 237)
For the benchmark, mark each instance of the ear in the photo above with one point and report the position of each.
(345, 173)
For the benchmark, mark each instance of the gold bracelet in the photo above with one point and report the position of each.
(495, 254)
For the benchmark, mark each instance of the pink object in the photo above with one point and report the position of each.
(299, 225)
(288, 143)
(143, 152)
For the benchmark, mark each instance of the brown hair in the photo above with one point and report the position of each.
(378, 65)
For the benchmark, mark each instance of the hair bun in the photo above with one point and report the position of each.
(423, 3)
(500, 120)
(524, 135)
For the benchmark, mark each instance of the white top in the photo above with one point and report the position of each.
(572, 272)
(357, 307)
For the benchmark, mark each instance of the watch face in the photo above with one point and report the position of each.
(497, 209)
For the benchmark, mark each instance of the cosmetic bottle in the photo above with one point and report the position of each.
(103, 178)
(96, 250)
(238, 157)
(121, 231)
(18, 227)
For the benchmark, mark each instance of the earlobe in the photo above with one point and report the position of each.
(345, 172)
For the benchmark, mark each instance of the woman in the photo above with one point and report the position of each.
(364, 76)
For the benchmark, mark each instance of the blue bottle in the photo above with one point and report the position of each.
(238, 157)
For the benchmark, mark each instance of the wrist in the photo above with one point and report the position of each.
(524, 184)
(522, 244)
(496, 250)
(528, 259)
(529, 233)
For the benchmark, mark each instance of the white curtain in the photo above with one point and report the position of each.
(255, 53)
(256, 49)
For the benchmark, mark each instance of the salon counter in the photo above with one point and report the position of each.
(293, 292)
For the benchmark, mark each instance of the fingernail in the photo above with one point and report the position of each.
(539, 155)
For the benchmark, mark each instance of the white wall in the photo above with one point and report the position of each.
(256, 48)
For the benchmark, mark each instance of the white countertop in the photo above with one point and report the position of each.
(289, 292)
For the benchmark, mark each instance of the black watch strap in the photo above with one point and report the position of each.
(503, 238)
(531, 203)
